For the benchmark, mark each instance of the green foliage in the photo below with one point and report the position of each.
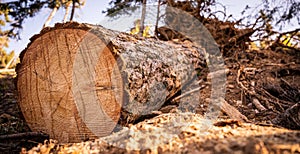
(281, 13)
(272, 12)
(117, 5)
(12, 15)
(6, 58)
(203, 6)
(15, 12)
(3, 55)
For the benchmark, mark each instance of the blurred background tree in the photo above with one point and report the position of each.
(265, 22)
(260, 19)
(13, 14)
(5, 58)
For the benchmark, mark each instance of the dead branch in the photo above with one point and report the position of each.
(23, 135)
(10, 62)
(258, 105)
(290, 118)
(67, 9)
(189, 92)
(232, 112)
(277, 41)
(254, 94)
(7, 70)
(50, 17)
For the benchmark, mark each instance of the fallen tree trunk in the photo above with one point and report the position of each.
(77, 81)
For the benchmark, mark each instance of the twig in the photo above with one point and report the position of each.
(293, 32)
(290, 118)
(258, 105)
(238, 80)
(189, 92)
(253, 93)
(232, 112)
(192, 81)
(279, 65)
(287, 83)
(50, 17)
(289, 47)
(9, 63)
(277, 99)
(7, 70)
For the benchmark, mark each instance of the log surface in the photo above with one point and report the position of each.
(78, 81)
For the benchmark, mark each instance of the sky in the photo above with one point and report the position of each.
(91, 13)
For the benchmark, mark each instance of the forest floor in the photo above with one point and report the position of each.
(261, 84)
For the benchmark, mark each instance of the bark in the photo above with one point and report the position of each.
(78, 81)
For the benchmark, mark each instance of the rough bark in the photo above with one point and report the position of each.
(76, 81)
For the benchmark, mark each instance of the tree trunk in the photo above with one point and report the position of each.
(67, 8)
(157, 18)
(47, 22)
(73, 10)
(143, 16)
(78, 81)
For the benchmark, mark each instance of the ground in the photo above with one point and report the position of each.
(261, 84)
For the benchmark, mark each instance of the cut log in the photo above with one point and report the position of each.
(47, 93)
(78, 81)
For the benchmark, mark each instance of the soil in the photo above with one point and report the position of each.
(261, 84)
